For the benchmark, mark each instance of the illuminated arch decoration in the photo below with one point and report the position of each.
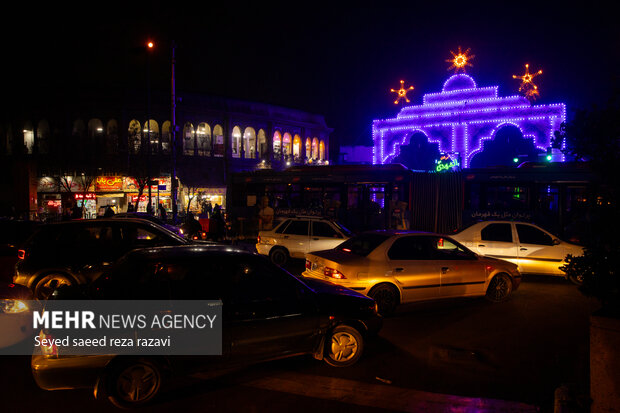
(461, 117)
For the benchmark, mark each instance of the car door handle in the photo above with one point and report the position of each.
(481, 245)
(399, 269)
(285, 237)
(522, 249)
(444, 270)
(315, 239)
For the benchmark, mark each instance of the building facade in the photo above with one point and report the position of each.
(99, 155)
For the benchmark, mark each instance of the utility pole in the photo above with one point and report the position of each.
(173, 178)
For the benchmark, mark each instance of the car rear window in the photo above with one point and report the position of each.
(362, 244)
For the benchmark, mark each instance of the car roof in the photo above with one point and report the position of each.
(100, 220)
(189, 251)
(398, 232)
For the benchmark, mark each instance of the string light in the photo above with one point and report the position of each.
(460, 60)
(462, 117)
(402, 92)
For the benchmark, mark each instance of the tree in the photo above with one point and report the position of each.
(594, 136)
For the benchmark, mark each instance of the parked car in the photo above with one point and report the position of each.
(267, 314)
(396, 267)
(15, 314)
(533, 249)
(295, 237)
(76, 252)
(148, 217)
(13, 233)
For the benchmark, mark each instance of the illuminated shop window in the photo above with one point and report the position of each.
(249, 143)
(236, 142)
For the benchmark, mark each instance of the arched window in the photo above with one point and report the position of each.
(28, 137)
(308, 149)
(203, 139)
(134, 136)
(111, 137)
(297, 147)
(277, 144)
(315, 149)
(189, 141)
(218, 141)
(43, 137)
(322, 151)
(249, 143)
(263, 151)
(151, 131)
(236, 142)
(166, 137)
(286, 144)
(95, 134)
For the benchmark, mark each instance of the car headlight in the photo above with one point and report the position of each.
(8, 306)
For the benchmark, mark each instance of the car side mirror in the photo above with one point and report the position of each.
(556, 241)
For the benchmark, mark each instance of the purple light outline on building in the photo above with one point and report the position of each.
(462, 104)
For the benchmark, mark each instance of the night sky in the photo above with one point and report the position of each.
(335, 60)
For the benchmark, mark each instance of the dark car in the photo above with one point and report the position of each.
(148, 217)
(76, 252)
(13, 234)
(267, 314)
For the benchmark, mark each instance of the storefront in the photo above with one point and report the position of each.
(201, 198)
(109, 190)
(160, 194)
(88, 203)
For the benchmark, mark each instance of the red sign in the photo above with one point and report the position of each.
(54, 204)
(88, 196)
(109, 183)
(143, 198)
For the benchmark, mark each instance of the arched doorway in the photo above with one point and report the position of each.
(507, 147)
(419, 154)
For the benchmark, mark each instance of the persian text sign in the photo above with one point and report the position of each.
(129, 327)
(109, 183)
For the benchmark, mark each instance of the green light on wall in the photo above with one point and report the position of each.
(515, 160)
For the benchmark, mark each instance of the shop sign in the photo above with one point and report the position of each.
(88, 196)
(53, 203)
(47, 184)
(163, 184)
(109, 183)
(447, 163)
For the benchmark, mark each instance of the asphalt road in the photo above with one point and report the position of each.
(456, 355)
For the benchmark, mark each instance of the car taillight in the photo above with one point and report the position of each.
(330, 272)
(48, 347)
(308, 265)
(21, 254)
(258, 240)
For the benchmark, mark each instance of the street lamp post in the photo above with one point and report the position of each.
(173, 178)
(149, 46)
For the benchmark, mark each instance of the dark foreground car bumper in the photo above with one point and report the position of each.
(67, 372)
(373, 324)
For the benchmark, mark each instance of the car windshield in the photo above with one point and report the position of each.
(343, 229)
(362, 244)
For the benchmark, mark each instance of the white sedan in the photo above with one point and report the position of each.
(533, 249)
(297, 236)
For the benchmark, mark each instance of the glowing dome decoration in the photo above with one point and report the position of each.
(462, 117)
(460, 60)
(402, 92)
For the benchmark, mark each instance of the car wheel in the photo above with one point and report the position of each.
(499, 288)
(46, 285)
(343, 346)
(386, 297)
(279, 256)
(133, 383)
(576, 279)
